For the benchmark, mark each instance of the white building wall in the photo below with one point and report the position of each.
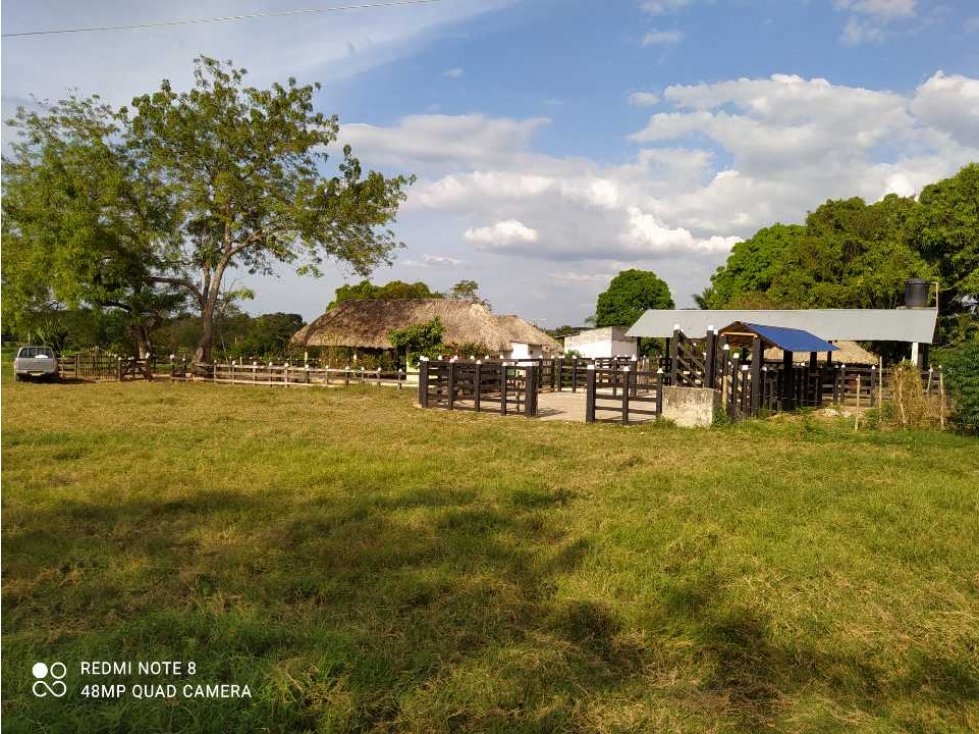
(610, 341)
(520, 350)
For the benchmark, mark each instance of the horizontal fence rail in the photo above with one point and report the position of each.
(500, 387)
(623, 395)
(288, 375)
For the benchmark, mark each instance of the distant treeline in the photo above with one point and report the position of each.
(238, 334)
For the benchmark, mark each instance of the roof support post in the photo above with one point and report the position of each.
(757, 357)
(788, 382)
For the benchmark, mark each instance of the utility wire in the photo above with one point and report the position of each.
(220, 18)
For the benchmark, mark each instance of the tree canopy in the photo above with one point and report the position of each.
(629, 295)
(83, 221)
(850, 254)
(396, 289)
(222, 176)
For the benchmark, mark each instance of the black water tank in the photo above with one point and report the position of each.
(916, 293)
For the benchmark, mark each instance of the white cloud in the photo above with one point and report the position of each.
(439, 140)
(950, 103)
(880, 8)
(502, 234)
(659, 7)
(870, 21)
(662, 38)
(574, 276)
(643, 99)
(647, 233)
(721, 161)
(453, 73)
(441, 260)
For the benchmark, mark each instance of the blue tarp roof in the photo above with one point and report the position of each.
(788, 340)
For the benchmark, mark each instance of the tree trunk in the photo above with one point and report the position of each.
(141, 340)
(210, 292)
(204, 344)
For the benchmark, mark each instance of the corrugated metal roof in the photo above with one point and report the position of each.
(788, 340)
(831, 324)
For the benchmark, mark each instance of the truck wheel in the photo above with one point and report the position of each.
(18, 378)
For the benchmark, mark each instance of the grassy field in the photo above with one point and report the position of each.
(366, 566)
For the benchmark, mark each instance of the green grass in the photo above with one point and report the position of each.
(366, 566)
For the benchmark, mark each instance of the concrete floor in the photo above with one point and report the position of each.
(561, 406)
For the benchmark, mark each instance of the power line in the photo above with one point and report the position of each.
(220, 18)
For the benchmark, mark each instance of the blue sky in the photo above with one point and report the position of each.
(557, 142)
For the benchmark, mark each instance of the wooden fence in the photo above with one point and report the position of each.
(289, 375)
(499, 387)
(623, 395)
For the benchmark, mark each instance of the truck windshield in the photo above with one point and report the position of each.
(29, 352)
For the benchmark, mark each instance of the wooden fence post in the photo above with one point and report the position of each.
(626, 389)
(674, 351)
(452, 385)
(590, 394)
(530, 385)
(659, 392)
(503, 387)
(941, 398)
(478, 384)
(733, 402)
(710, 357)
(422, 381)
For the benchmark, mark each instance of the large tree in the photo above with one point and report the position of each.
(245, 174)
(629, 295)
(848, 255)
(248, 168)
(83, 221)
(945, 230)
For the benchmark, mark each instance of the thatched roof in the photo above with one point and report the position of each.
(366, 324)
(848, 353)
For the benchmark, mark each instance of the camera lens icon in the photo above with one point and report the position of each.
(42, 672)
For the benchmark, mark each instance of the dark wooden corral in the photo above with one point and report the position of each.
(501, 387)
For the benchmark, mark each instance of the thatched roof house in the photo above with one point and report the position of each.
(366, 324)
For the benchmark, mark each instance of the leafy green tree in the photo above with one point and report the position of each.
(945, 229)
(752, 265)
(419, 340)
(629, 295)
(83, 221)
(396, 289)
(848, 255)
(468, 290)
(138, 211)
(245, 166)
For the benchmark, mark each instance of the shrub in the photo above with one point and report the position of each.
(960, 366)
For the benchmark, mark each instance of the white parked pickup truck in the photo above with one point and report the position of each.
(37, 362)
